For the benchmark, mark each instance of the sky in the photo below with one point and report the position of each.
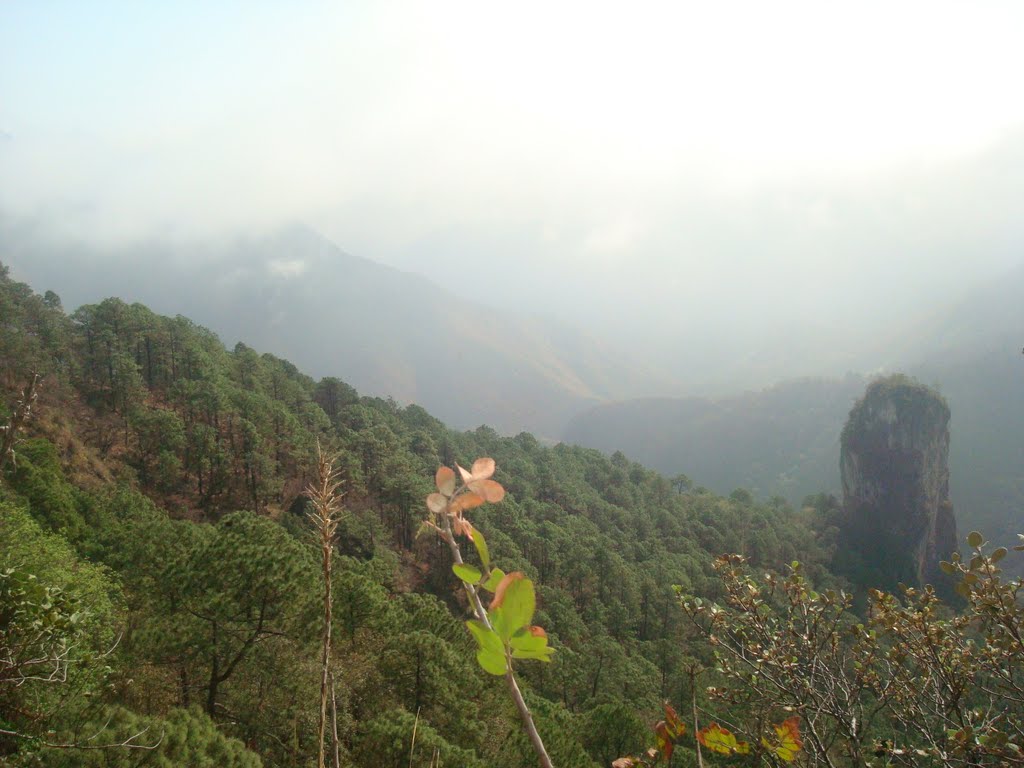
(689, 173)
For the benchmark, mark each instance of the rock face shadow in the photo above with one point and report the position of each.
(898, 520)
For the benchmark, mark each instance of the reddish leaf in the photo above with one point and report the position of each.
(482, 468)
(538, 632)
(665, 741)
(436, 503)
(675, 726)
(491, 490)
(465, 501)
(504, 584)
(445, 480)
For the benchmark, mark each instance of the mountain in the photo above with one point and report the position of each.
(782, 441)
(156, 552)
(785, 439)
(385, 331)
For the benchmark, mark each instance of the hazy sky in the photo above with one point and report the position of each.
(749, 165)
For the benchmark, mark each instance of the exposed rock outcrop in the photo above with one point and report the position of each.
(898, 519)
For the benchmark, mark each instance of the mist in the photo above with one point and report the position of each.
(739, 193)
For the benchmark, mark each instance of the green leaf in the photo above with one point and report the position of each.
(524, 640)
(486, 638)
(999, 554)
(500, 623)
(493, 663)
(467, 573)
(947, 567)
(544, 654)
(519, 604)
(481, 547)
(494, 579)
(975, 539)
(490, 654)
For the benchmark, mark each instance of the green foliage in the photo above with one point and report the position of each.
(218, 605)
(57, 623)
(613, 730)
(387, 741)
(914, 684)
(53, 500)
(182, 737)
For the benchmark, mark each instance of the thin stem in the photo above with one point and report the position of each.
(696, 727)
(510, 679)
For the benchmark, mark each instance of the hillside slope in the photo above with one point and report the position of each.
(148, 436)
(433, 343)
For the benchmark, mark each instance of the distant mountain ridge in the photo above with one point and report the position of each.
(388, 332)
(784, 440)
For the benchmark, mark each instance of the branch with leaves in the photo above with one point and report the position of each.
(912, 684)
(503, 630)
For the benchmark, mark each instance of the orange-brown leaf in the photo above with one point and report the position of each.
(788, 742)
(538, 632)
(664, 740)
(465, 501)
(445, 481)
(482, 468)
(436, 503)
(675, 725)
(504, 584)
(491, 490)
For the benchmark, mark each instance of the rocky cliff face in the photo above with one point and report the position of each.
(898, 519)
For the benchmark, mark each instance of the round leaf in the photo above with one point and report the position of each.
(467, 573)
(465, 501)
(518, 602)
(491, 662)
(491, 490)
(445, 481)
(482, 468)
(494, 579)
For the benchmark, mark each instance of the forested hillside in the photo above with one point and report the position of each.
(784, 440)
(156, 501)
(332, 313)
(160, 592)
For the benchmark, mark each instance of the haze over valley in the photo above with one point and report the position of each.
(419, 384)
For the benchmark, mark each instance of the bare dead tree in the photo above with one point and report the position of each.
(22, 413)
(326, 513)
